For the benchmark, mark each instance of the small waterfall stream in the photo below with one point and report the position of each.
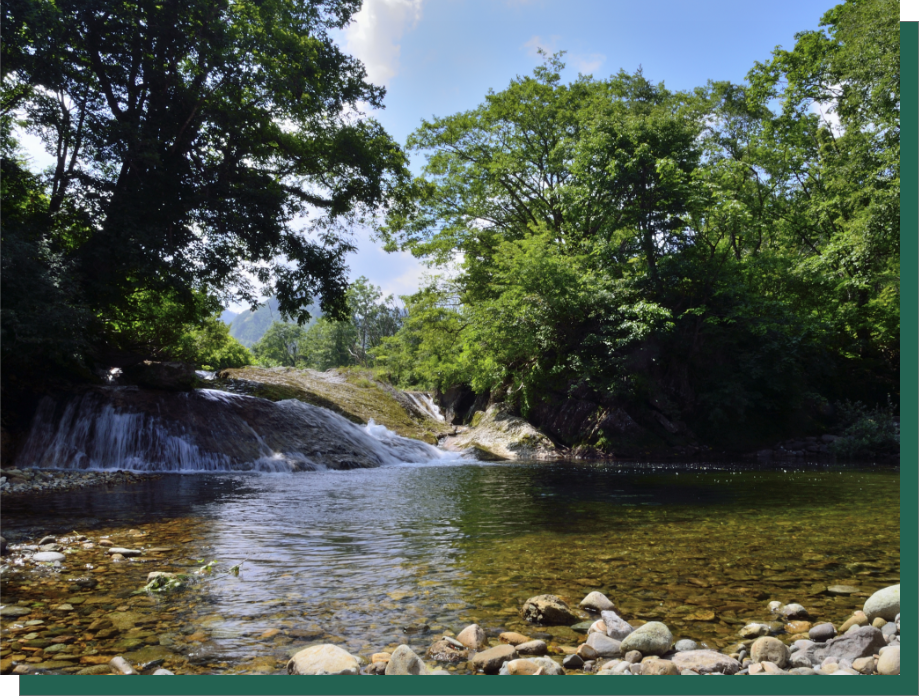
(206, 430)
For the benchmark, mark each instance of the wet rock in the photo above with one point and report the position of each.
(587, 653)
(323, 659)
(548, 609)
(512, 638)
(659, 667)
(822, 632)
(47, 540)
(124, 552)
(163, 673)
(14, 612)
(149, 654)
(616, 627)
(572, 662)
(533, 647)
(842, 589)
(753, 630)
(768, 649)
(596, 602)
(653, 638)
(48, 557)
(604, 645)
(791, 612)
(121, 665)
(685, 644)
(884, 603)
(404, 661)
(490, 661)
(549, 666)
(3, 547)
(444, 651)
(705, 662)
(168, 376)
(473, 637)
(96, 669)
(583, 626)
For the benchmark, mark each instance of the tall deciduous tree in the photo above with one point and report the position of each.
(188, 136)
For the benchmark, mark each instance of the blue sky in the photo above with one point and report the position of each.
(438, 57)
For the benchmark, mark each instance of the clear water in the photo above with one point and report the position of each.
(371, 558)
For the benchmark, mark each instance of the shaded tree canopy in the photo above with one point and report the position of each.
(191, 139)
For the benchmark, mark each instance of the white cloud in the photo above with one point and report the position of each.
(586, 63)
(827, 112)
(536, 43)
(375, 33)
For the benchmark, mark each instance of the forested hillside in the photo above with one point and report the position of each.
(646, 265)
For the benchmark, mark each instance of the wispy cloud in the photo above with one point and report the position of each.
(586, 63)
(375, 35)
(537, 43)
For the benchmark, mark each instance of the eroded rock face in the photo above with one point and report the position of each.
(323, 659)
(549, 610)
(504, 435)
(169, 376)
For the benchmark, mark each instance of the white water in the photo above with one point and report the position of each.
(424, 403)
(209, 430)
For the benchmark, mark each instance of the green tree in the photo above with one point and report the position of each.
(188, 136)
(211, 346)
(282, 344)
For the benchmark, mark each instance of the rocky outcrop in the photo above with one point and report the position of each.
(204, 430)
(498, 434)
(354, 395)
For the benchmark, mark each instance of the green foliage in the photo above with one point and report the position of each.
(282, 344)
(211, 347)
(867, 431)
(723, 256)
(188, 138)
(249, 326)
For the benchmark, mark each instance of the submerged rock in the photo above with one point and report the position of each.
(548, 609)
(597, 602)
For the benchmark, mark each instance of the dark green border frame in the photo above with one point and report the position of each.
(906, 683)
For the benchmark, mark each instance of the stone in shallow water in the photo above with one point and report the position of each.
(122, 551)
(548, 609)
(48, 557)
(14, 611)
(473, 637)
(685, 644)
(616, 627)
(604, 645)
(513, 638)
(653, 638)
(842, 589)
(597, 601)
(822, 632)
(533, 647)
(490, 661)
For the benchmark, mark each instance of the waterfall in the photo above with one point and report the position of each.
(425, 404)
(206, 430)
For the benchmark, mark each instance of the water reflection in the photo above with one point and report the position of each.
(369, 557)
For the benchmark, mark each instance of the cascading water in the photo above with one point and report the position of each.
(206, 430)
(425, 404)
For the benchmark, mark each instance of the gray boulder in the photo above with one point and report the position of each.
(616, 627)
(604, 645)
(653, 638)
(884, 603)
(404, 661)
(822, 632)
(862, 642)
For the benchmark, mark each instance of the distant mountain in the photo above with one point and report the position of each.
(227, 317)
(248, 326)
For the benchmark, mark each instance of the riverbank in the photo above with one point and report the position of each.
(32, 481)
